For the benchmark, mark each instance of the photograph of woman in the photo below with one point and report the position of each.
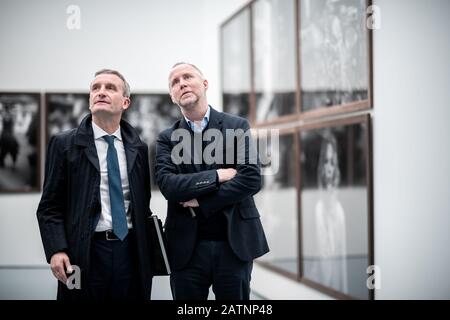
(330, 219)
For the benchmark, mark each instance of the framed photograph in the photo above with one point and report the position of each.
(336, 206)
(335, 57)
(150, 114)
(274, 59)
(64, 111)
(19, 142)
(277, 201)
(236, 65)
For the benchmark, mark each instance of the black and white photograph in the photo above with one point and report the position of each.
(149, 114)
(274, 75)
(236, 65)
(335, 207)
(334, 53)
(19, 142)
(64, 111)
(347, 102)
(277, 201)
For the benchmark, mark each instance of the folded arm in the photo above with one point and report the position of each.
(176, 186)
(247, 181)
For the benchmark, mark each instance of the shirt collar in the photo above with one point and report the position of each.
(204, 122)
(99, 132)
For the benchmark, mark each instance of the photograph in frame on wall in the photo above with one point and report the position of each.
(277, 200)
(236, 68)
(274, 58)
(334, 54)
(19, 142)
(64, 111)
(335, 206)
(150, 114)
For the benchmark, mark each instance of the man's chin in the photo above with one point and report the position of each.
(187, 106)
(188, 103)
(102, 112)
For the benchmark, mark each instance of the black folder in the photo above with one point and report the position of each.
(158, 253)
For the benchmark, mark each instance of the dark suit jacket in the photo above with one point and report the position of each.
(70, 205)
(184, 182)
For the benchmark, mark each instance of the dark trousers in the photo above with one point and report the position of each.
(113, 272)
(212, 263)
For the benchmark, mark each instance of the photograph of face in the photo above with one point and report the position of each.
(19, 142)
(334, 207)
(334, 56)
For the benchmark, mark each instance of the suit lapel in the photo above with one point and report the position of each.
(215, 122)
(130, 153)
(188, 167)
(131, 143)
(91, 153)
(85, 138)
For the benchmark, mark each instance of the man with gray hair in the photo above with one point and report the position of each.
(96, 200)
(213, 228)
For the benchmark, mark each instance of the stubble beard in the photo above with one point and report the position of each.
(190, 105)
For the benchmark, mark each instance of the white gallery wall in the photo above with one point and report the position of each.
(412, 149)
(142, 39)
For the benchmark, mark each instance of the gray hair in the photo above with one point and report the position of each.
(126, 86)
(190, 64)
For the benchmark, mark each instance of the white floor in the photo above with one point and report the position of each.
(38, 283)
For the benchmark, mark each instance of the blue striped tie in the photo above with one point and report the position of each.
(119, 219)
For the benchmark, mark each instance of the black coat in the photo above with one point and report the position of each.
(70, 205)
(183, 182)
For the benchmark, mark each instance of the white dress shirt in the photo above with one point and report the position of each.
(203, 124)
(105, 221)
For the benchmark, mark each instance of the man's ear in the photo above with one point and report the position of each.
(171, 98)
(205, 84)
(126, 103)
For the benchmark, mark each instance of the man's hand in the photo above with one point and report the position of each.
(226, 174)
(190, 204)
(59, 263)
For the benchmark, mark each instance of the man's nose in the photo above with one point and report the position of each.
(101, 91)
(182, 83)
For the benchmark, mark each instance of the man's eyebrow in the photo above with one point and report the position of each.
(96, 84)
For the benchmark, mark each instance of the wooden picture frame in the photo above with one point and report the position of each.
(236, 65)
(334, 57)
(277, 201)
(336, 206)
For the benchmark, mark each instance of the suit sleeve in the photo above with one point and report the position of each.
(247, 181)
(176, 186)
(51, 209)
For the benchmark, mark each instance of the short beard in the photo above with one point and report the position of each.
(190, 105)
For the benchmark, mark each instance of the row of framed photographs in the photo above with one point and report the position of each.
(315, 201)
(285, 60)
(21, 130)
(316, 205)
